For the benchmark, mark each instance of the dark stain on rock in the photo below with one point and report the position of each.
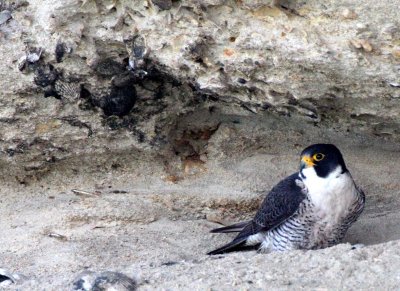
(85, 93)
(108, 67)
(51, 92)
(241, 81)
(19, 148)
(45, 75)
(120, 101)
(163, 4)
(114, 123)
(73, 121)
(169, 263)
(197, 50)
(192, 143)
(59, 51)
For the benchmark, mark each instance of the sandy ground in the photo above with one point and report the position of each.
(139, 223)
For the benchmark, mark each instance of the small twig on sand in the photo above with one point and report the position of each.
(57, 236)
(84, 193)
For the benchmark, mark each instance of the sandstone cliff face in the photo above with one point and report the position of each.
(330, 64)
(196, 107)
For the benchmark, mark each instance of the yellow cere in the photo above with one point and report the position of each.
(308, 160)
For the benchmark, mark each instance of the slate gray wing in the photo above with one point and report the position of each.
(280, 204)
(237, 227)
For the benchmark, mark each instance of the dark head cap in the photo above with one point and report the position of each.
(323, 157)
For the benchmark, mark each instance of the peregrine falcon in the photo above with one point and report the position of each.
(310, 209)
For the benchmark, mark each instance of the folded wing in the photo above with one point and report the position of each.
(280, 204)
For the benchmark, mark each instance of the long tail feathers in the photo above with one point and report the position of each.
(234, 245)
(245, 229)
(237, 227)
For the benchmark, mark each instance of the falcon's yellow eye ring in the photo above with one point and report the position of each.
(318, 157)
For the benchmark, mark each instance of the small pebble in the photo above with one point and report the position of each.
(349, 14)
(362, 44)
(105, 281)
(5, 15)
(33, 55)
(242, 81)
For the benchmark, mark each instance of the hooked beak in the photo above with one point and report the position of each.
(307, 161)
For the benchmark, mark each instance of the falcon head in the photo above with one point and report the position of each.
(324, 158)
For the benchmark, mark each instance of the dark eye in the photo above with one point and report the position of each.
(318, 157)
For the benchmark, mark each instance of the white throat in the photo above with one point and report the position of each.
(333, 195)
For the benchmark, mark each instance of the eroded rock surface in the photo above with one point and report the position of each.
(332, 64)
